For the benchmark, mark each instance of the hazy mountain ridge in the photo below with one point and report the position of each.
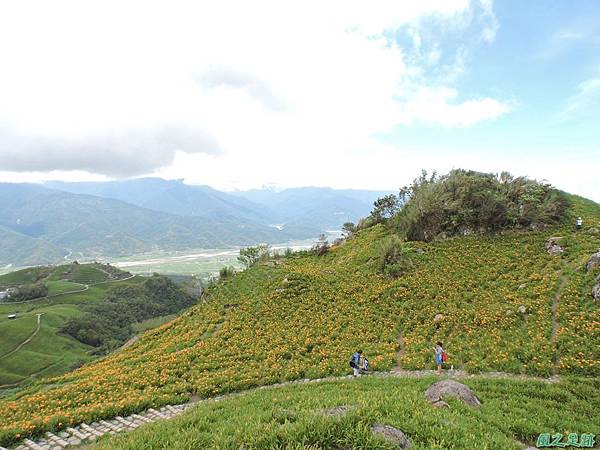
(88, 226)
(40, 224)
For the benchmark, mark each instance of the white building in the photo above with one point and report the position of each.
(6, 293)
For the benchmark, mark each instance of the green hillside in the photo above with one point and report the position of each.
(303, 316)
(71, 289)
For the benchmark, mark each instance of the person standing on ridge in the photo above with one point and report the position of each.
(440, 356)
(579, 223)
(355, 363)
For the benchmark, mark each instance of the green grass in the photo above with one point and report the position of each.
(513, 413)
(49, 353)
(25, 276)
(60, 287)
(15, 331)
(155, 322)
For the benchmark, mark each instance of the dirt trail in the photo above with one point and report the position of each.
(399, 354)
(555, 322)
(26, 341)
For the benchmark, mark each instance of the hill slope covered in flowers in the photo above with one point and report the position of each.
(303, 316)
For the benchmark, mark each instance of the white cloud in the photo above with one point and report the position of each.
(244, 90)
(438, 105)
(583, 103)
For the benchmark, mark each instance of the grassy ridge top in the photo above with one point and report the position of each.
(304, 317)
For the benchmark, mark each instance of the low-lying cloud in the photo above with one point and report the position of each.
(117, 153)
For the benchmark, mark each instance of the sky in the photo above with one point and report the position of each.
(347, 94)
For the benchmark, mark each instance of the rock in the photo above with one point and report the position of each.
(522, 309)
(553, 247)
(280, 289)
(594, 230)
(594, 261)
(596, 292)
(337, 411)
(509, 312)
(522, 286)
(391, 434)
(436, 391)
(440, 404)
(438, 318)
(74, 441)
(420, 251)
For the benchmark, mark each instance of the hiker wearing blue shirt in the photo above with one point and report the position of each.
(440, 356)
(355, 363)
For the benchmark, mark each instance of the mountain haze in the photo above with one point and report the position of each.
(309, 210)
(40, 225)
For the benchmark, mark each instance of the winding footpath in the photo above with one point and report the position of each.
(26, 341)
(84, 433)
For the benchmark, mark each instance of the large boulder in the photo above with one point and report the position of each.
(596, 292)
(594, 261)
(553, 247)
(451, 388)
(391, 434)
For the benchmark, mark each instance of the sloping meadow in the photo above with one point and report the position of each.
(503, 304)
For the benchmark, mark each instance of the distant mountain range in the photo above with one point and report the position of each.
(47, 223)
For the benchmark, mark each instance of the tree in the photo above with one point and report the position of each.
(385, 207)
(251, 255)
(348, 229)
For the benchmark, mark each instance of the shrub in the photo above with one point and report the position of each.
(393, 257)
(464, 202)
(28, 292)
(226, 272)
(321, 247)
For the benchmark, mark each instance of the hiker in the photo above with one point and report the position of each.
(364, 366)
(579, 223)
(440, 356)
(355, 363)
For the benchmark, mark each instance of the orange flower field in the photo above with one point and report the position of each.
(303, 317)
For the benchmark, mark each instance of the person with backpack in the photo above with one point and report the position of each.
(364, 365)
(440, 356)
(355, 363)
(579, 223)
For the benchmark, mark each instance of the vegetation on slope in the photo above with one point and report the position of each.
(50, 352)
(513, 413)
(302, 318)
(109, 324)
(465, 202)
